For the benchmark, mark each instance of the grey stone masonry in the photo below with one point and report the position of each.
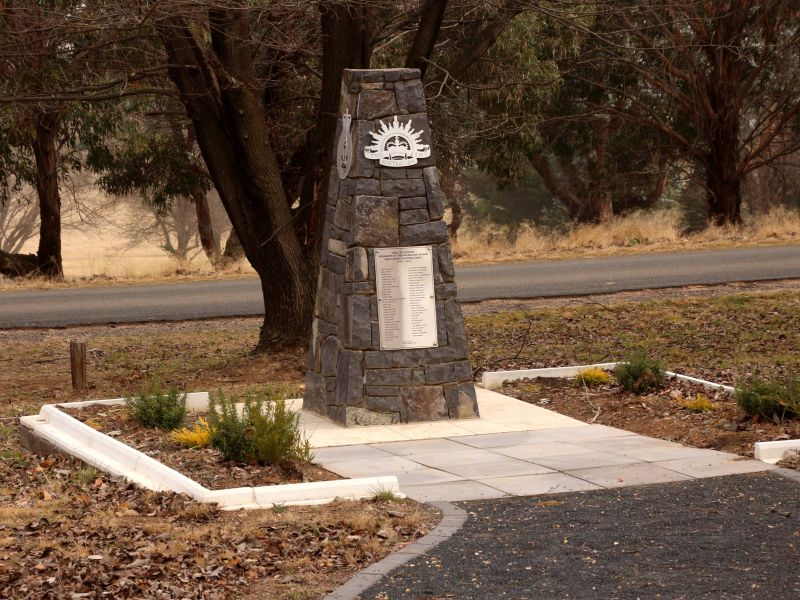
(349, 378)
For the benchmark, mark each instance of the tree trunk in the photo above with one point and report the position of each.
(45, 152)
(233, 249)
(430, 23)
(205, 229)
(216, 85)
(345, 45)
(723, 182)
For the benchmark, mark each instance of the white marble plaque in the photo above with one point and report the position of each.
(406, 297)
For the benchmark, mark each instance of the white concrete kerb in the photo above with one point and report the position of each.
(769, 452)
(495, 379)
(120, 460)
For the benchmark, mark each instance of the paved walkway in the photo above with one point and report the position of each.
(515, 449)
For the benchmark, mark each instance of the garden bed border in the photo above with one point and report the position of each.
(769, 452)
(62, 432)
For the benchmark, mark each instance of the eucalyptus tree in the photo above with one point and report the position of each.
(716, 79)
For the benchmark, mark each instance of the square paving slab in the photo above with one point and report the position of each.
(518, 449)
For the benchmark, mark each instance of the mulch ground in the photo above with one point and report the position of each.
(69, 532)
(659, 414)
(722, 538)
(204, 465)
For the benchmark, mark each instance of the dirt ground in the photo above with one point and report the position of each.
(204, 465)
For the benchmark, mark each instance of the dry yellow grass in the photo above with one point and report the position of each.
(655, 230)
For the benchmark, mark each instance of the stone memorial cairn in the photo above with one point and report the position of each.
(384, 193)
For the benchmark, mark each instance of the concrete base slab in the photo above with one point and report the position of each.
(625, 475)
(452, 491)
(535, 485)
(715, 466)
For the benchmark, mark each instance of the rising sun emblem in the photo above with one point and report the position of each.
(397, 145)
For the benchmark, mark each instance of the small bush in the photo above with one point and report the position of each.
(198, 436)
(641, 373)
(266, 431)
(769, 399)
(153, 408)
(594, 376)
(698, 404)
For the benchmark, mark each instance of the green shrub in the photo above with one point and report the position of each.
(153, 408)
(640, 373)
(265, 431)
(769, 399)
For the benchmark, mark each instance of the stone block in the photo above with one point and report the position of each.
(388, 377)
(327, 296)
(444, 354)
(450, 372)
(383, 390)
(402, 188)
(373, 308)
(349, 383)
(446, 290)
(363, 76)
(383, 403)
(341, 218)
(375, 104)
(413, 173)
(362, 166)
(375, 221)
(377, 360)
(456, 336)
(336, 263)
(414, 203)
(337, 247)
(462, 402)
(408, 73)
(418, 376)
(410, 97)
(392, 173)
(329, 355)
(356, 415)
(357, 264)
(358, 287)
(314, 396)
(376, 334)
(441, 323)
(436, 197)
(407, 358)
(422, 403)
(434, 232)
(446, 263)
(325, 328)
(370, 187)
(359, 331)
(410, 217)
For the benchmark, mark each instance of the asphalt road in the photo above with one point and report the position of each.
(533, 279)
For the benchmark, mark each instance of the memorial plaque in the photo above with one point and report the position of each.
(406, 297)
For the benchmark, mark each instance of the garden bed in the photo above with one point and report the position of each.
(203, 465)
(660, 414)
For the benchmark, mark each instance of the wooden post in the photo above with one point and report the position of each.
(77, 363)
